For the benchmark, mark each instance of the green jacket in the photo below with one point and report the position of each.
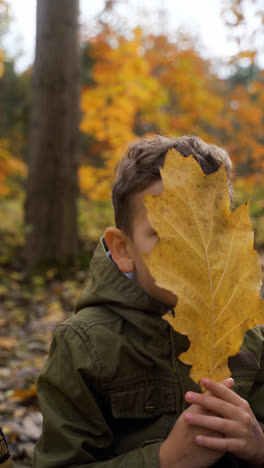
(113, 387)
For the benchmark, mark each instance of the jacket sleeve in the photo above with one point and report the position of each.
(75, 432)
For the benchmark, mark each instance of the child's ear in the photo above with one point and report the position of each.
(117, 243)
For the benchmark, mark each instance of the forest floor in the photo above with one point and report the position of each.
(30, 311)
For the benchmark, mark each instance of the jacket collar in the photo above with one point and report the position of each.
(108, 285)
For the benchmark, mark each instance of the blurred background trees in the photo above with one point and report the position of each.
(133, 82)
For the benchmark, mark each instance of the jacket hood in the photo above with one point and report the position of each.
(108, 285)
(110, 288)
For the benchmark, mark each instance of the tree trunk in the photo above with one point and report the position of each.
(52, 190)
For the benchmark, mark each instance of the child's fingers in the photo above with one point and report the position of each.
(213, 423)
(228, 383)
(223, 392)
(224, 412)
(221, 444)
(211, 403)
(246, 441)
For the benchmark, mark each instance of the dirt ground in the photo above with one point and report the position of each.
(29, 314)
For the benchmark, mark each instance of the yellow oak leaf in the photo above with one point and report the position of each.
(205, 256)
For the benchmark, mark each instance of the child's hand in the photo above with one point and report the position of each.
(180, 449)
(232, 417)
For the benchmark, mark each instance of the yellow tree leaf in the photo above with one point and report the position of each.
(205, 256)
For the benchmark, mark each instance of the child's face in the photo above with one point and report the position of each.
(143, 240)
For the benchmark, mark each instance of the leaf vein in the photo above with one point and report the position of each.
(232, 329)
(211, 224)
(227, 260)
(181, 235)
(234, 292)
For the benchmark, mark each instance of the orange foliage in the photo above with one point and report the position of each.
(124, 86)
(95, 182)
(145, 84)
(9, 166)
(245, 112)
(192, 104)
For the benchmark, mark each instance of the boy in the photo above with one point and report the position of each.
(113, 392)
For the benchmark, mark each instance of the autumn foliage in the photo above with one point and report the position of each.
(124, 91)
(136, 83)
(245, 19)
(145, 83)
(10, 165)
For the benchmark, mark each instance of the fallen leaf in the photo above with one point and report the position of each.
(51, 273)
(19, 395)
(19, 413)
(205, 256)
(57, 289)
(8, 343)
(3, 408)
(3, 290)
(55, 313)
(3, 322)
